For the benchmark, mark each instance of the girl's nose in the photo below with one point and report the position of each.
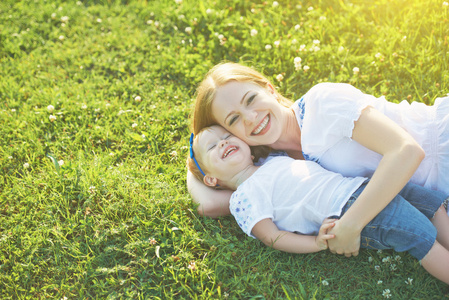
(223, 143)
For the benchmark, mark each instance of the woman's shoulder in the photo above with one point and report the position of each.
(324, 89)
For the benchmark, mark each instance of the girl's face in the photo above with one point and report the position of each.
(249, 111)
(222, 154)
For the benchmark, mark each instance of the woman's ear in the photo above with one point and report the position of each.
(210, 181)
(271, 88)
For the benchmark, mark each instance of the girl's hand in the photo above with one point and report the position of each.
(323, 236)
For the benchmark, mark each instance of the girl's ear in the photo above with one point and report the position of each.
(210, 181)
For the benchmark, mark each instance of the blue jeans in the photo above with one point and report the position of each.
(404, 224)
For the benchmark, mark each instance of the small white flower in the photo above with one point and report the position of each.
(137, 99)
(378, 55)
(370, 259)
(280, 77)
(143, 136)
(134, 125)
(149, 22)
(52, 118)
(174, 153)
(306, 68)
(275, 4)
(26, 165)
(294, 41)
(386, 293)
(254, 32)
(64, 298)
(297, 26)
(9, 157)
(277, 43)
(92, 189)
(377, 268)
(316, 42)
(99, 20)
(397, 258)
(310, 8)
(178, 1)
(50, 108)
(64, 19)
(111, 154)
(409, 281)
(379, 282)
(13, 109)
(322, 18)
(268, 47)
(61, 162)
(188, 30)
(393, 267)
(324, 282)
(341, 48)
(61, 37)
(356, 71)
(53, 16)
(84, 106)
(445, 3)
(404, 38)
(302, 48)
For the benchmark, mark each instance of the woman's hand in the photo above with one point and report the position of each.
(347, 240)
(323, 236)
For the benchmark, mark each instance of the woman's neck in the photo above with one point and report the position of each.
(290, 140)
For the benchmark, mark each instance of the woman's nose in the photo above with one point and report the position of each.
(249, 117)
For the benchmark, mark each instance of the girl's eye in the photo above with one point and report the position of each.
(211, 147)
(228, 137)
(250, 99)
(233, 119)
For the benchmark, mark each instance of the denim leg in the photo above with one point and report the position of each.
(402, 227)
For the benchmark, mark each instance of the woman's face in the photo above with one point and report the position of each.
(249, 111)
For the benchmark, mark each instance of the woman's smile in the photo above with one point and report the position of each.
(263, 126)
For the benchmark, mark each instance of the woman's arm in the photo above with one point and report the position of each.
(212, 203)
(401, 157)
(267, 232)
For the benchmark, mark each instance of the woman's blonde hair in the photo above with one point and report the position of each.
(217, 77)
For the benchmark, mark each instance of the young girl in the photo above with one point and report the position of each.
(336, 125)
(284, 202)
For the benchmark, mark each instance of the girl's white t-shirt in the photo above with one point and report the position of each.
(296, 194)
(326, 115)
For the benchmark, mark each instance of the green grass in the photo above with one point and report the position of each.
(115, 219)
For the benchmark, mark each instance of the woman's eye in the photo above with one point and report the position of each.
(250, 99)
(233, 119)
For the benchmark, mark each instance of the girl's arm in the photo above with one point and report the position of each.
(401, 157)
(266, 231)
(212, 203)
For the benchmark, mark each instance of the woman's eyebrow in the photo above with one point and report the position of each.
(241, 102)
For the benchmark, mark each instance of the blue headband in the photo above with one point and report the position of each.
(192, 155)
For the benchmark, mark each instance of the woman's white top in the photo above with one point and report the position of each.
(297, 195)
(326, 115)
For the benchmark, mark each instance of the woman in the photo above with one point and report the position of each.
(336, 125)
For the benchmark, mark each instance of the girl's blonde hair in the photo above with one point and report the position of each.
(217, 77)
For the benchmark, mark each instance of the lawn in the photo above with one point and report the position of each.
(95, 98)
